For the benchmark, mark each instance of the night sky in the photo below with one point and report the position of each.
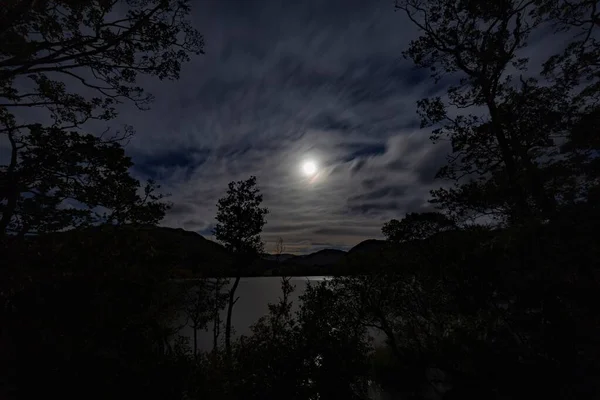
(282, 83)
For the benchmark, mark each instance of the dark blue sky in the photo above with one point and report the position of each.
(282, 82)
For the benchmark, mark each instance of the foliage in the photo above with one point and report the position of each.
(416, 226)
(575, 69)
(89, 310)
(203, 303)
(53, 51)
(58, 180)
(240, 218)
(493, 312)
(106, 328)
(315, 353)
(502, 160)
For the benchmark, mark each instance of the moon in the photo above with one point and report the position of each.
(309, 168)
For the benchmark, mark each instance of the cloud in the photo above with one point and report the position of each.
(386, 191)
(279, 84)
(282, 82)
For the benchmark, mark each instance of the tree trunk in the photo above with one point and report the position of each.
(217, 319)
(229, 312)
(517, 193)
(195, 341)
(543, 199)
(8, 212)
(389, 333)
(12, 194)
(532, 182)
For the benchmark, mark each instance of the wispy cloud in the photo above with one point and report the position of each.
(280, 84)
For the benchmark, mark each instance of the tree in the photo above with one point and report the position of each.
(577, 68)
(218, 302)
(203, 303)
(279, 249)
(494, 308)
(198, 309)
(417, 226)
(57, 180)
(496, 156)
(91, 311)
(317, 352)
(53, 51)
(575, 72)
(333, 345)
(240, 220)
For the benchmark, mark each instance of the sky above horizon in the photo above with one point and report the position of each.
(282, 83)
(285, 82)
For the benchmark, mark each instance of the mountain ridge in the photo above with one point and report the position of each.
(187, 253)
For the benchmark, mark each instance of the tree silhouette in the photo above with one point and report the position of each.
(62, 47)
(240, 220)
(217, 301)
(495, 155)
(317, 352)
(50, 167)
(417, 226)
(100, 297)
(577, 68)
(279, 249)
(198, 309)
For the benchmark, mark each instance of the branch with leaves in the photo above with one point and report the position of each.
(61, 47)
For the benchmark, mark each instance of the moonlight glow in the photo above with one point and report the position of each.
(309, 168)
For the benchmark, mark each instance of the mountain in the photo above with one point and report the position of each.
(280, 257)
(175, 252)
(150, 247)
(320, 258)
(367, 247)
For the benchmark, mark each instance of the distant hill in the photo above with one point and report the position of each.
(178, 252)
(368, 246)
(280, 257)
(143, 246)
(320, 258)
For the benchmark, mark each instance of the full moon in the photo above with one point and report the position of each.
(309, 168)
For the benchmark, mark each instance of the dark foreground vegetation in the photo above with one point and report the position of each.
(471, 312)
(493, 296)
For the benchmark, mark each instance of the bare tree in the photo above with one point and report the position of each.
(279, 249)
